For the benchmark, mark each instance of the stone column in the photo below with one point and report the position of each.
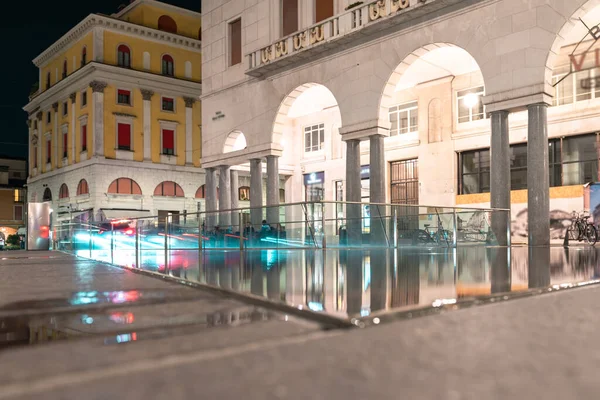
(377, 189)
(210, 197)
(189, 121)
(500, 176)
(273, 190)
(55, 137)
(40, 142)
(235, 199)
(224, 196)
(256, 192)
(73, 98)
(147, 122)
(538, 178)
(98, 116)
(353, 211)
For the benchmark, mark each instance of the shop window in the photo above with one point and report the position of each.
(83, 137)
(168, 104)
(167, 24)
(123, 136)
(235, 42)
(470, 105)
(169, 188)
(244, 193)
(474, 167)
(579, 159)
(124, 97)
(289, 17)
(124, 56)
(314, 138)
(82, 188)
(201, 192)
(167, 65)
(124, 186)
(63, 192)
(168, 142)
(404, 119)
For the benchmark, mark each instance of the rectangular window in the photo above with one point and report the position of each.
(19, 195)
(578, 86)
(289, 17)
(35, 157)
(65, 145)
(323, 10)
(83, 99)
(168, 142)
(65, 108)
(235, 42)
(124, 136)
(469, 105)
(48, 151)
(579, 160)
(83, 137)
(404, 119)
(124, 97)
(474, 170)
(168, 104)
(314, 138)
(48, 117)
(18, 212)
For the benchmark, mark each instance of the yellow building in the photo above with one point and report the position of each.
(115, 126)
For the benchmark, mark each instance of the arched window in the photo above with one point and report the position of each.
(244, 192)
(82, 188)
(83, 56)
(167, 65)
(201, 192)
(64, 74)
(124, 56)
(124, 186)
(47, 195)
(167, 24)
(63, 192)
(168, 188)
(48, 80)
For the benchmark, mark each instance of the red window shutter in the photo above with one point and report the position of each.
(84, 137)
(168, 139)
(124, 92)
(65, 143)
(124, 131)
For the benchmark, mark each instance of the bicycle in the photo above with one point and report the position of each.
(581, 228)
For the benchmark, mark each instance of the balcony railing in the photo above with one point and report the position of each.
(366, 18)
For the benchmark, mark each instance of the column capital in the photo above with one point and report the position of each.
(39, 115)
(540, 104)
(55, 106)
(189, 101)
(73, 97)
(147, 94)
(499, 112)
(98, 86)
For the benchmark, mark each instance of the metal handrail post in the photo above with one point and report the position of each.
(167, 243)
(241, 227)
(454, 228)
(137, 246)
(395, 227)
(112, 244)
(90, 239)
(323, 239)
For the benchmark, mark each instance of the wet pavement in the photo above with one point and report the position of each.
(106, 332)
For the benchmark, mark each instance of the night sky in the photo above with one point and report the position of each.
(35, 26)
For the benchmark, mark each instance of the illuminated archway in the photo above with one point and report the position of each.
(235, 141)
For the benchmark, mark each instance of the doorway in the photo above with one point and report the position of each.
(405, 190)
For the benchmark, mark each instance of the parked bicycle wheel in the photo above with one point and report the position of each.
(591, 234)
(577, 231)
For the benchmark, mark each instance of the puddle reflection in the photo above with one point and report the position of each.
(352, 283)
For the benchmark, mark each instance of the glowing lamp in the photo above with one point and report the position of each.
(471, 100)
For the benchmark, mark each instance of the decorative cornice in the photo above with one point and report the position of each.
(39, 115)
(147, 94)
(98, 86)
(55, 106)
(73, 97)
(120, 114)
(103, 21)
(189, 101)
